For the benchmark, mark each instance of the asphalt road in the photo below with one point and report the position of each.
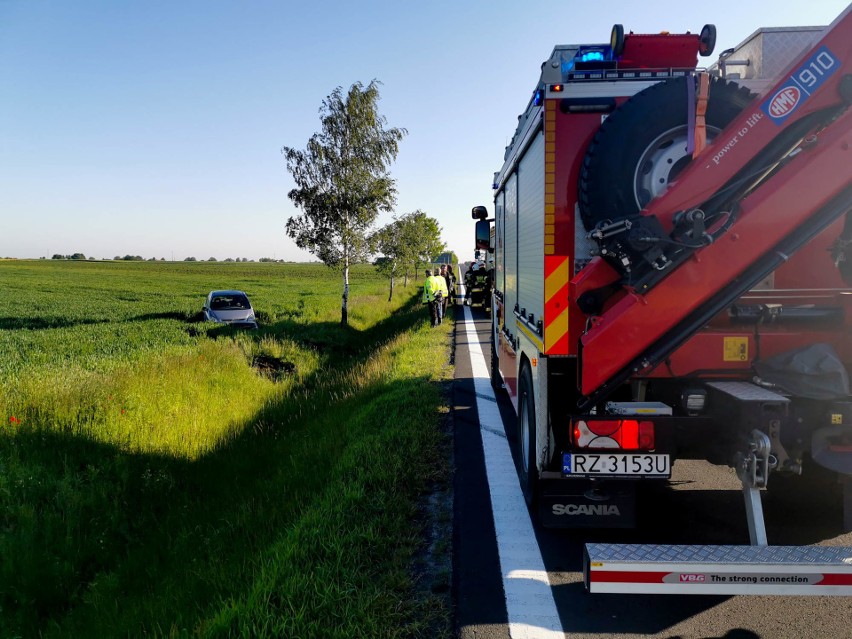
(702, 504)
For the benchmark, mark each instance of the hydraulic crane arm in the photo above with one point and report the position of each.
(770, 182)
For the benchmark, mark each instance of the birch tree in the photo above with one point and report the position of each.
(342, 180)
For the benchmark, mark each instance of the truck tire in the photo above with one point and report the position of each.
(616, 39)
(707, 40)
(527, 471)
(496, 380)
(641, 147)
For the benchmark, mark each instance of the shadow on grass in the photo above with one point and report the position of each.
(169, 538)
(40, 323)
(331, 339)
(190, 317)
(322, 335)
(63, 527)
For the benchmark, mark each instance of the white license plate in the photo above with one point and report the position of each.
(616, 465)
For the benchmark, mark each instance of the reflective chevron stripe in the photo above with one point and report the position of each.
(556, 275)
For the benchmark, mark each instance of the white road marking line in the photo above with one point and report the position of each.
(529, 598)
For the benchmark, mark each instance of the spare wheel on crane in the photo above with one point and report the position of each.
(642, 146)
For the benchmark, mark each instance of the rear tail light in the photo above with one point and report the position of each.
(628, 434)
(647, 440)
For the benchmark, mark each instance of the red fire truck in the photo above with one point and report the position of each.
(672, 278)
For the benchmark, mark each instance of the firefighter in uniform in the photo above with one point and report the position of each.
(480, 281)
(468, 282)
(434, 292)
(476, 283)
(447, 274)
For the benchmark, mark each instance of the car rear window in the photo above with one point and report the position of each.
(229, 302)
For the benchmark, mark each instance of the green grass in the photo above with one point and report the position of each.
(154, 482)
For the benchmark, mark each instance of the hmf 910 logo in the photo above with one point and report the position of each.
(784, 101)
(804, 82)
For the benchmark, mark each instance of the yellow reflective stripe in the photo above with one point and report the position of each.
(530, 334)
(556, 330)
(558, 278)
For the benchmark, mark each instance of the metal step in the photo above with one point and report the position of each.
(718, 570)
(748, 392)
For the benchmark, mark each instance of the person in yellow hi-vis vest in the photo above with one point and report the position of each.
(434, 293)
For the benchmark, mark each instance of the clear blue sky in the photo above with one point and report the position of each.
(154, 127)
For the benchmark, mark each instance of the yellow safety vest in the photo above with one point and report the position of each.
(432, 285)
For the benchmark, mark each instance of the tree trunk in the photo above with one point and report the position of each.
(344, 310)
(390, 297)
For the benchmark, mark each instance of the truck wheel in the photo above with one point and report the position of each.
(496, 380)
(641, 147)
(616, 39)
(707, 40)
(526, 437)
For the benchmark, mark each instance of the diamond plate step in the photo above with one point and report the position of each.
(727, 570)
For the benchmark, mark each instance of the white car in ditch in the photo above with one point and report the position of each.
(230, 307)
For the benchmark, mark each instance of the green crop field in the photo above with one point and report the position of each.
(169, 477)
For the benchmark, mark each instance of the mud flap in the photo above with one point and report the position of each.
(831, 448)
(847, 503)
(570, 503)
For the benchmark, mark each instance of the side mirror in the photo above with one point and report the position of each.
(483, 235)
(479, 213)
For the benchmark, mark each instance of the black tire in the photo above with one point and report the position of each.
(707, 40)
(527, 471)
(641, 146)
(496, 379)
(616, 39)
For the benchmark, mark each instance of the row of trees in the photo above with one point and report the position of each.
(139, 258)
(81, 256)
(343, 184)
(227, 259)
(73, 256)
(408, 242)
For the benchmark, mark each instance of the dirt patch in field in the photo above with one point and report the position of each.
(273, 367)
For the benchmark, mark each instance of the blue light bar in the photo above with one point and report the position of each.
(586, 54)
(592, 56)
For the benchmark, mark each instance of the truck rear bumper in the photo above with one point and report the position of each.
(718, 570)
